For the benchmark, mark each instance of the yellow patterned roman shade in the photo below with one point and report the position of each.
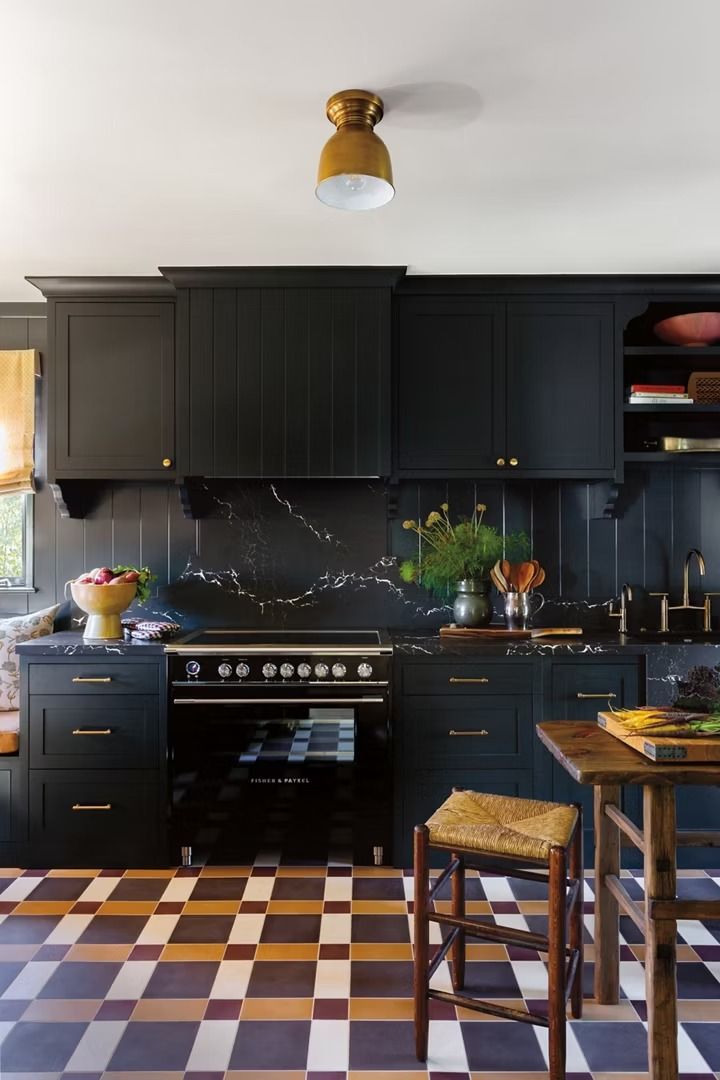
(18, 368)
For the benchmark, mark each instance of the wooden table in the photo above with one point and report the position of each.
(591, 756)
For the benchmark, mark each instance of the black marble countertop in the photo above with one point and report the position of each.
(591, 643)
(68, 643)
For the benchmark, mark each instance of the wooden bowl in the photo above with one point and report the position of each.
(103, 605)
(696, 329)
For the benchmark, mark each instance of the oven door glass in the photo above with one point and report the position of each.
(324, 735)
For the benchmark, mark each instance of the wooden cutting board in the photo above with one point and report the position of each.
(664, 749)
(489, 633)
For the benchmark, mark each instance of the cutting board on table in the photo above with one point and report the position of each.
(497, 633)
(666, 749)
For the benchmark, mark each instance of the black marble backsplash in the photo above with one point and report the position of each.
(300, 553)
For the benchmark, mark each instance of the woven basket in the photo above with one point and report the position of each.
(704, 387)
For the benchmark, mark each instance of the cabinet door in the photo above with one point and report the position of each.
(285, 382)
(13, 799)
(570, 683)
(450, 399)
(114, 388)
(560, 387)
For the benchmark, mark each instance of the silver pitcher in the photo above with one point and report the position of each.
(520, 609)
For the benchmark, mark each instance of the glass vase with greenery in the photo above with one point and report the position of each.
(465, 551)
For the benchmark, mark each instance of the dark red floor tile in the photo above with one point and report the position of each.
(223, 1009)
(330, 1009)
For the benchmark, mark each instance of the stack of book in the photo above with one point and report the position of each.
(651, 394)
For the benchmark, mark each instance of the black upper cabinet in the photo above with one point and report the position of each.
(519, 388)
(114, 388)
(450, 384)
(284, 381)
(560, 387)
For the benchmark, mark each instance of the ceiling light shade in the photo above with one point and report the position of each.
(355, 171)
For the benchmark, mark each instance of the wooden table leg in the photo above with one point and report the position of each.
(660, 935)
(607, 926)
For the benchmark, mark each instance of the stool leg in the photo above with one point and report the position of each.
(576, 918)
(422, 942)
(556, 961)
(458, 909)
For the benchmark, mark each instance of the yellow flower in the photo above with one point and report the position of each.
(482, 507)
(409, 524)
(444, 506)
(432, 518)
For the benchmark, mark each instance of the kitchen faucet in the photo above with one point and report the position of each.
(625, 596)
(666, 607)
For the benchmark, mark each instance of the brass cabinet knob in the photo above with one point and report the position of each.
(500, 461)
(167, 463)
(514, 461)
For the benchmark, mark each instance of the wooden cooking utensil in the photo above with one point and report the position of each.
(505, 571)
(525, 573)
(538, 579)
(498, 578)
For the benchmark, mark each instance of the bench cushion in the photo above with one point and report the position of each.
(19, 628)
(9, 731)
(501, 825)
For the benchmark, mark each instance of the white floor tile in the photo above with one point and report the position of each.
(213, 1046)
(157, 930)
(532, 978)
(258, 888)
(179, 889)
(446, 1049)
(100, 888)
(335, 929)
(231, 982)
(690, 1060)
(338, 888)
(19, 888)
(246, 929)
(575, 1058)
(69, 929)
(131, 980)
(332, 979)
(694, 933)
(497, 888)
(329, 1045)
(30, 981)
(97, 1046)
(632, 979)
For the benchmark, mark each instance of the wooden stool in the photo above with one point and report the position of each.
(508, 836)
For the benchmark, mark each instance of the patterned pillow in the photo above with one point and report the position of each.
(19, 628)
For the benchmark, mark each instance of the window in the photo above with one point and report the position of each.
(16, 512)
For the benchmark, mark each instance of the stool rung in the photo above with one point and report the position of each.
(503, 1011)
(505, 935)
(571, 972)
(573, 894)
(447, 872)
(442, 952)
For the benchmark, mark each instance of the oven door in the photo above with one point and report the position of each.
(292, 779)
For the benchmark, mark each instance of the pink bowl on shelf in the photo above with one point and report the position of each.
(696, 328)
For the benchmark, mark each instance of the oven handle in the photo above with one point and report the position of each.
(280, 701)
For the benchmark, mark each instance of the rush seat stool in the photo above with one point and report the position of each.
(522, 838)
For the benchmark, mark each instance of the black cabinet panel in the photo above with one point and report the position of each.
(114, 380)
(474, 677)
(93, 677)
(93, 732)
(560, 408)
(13, 800)
(450, 384)
(285, 382)
(486, 732)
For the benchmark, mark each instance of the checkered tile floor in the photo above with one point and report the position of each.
(301, 974)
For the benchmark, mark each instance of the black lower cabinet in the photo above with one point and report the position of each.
(13, 800)
(109, 818)
(578, 690)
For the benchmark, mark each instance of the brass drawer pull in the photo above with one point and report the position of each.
(92, 731)
(591, 697)
(91, 806)
(98, 679)
(482, 731)
(455, 679)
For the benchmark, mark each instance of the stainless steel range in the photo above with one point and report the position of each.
(280, 745)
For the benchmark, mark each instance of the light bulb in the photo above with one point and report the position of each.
(355, 182)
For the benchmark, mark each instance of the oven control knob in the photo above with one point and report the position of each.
(287, 671)
(269, 671)
(339, 671)
(225, 671)
(304, 671)
(365, 670)
(192, 667)
(242, 671)
(321, 671)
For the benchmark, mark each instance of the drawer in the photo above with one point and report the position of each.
(93, 732)
(494, 731)
(113, 818)
(580, 690)
(463, 677)
(69, 677)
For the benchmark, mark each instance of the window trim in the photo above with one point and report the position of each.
(27, 585)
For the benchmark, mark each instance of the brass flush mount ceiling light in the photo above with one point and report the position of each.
(355, 171)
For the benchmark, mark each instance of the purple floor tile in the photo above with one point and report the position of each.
(271, 1044)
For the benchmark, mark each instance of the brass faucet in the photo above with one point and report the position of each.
(666, 607)
(625, 596)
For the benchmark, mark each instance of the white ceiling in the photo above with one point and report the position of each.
(527, 136)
